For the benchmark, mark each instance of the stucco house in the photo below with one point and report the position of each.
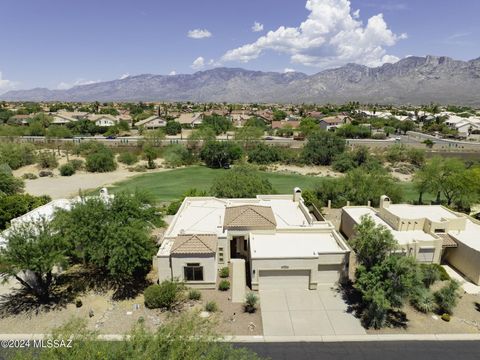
(333, 122)
(190, 119)
(282, 243)
(104, 120)
(430, 233)
(63, 119)
(152, 122)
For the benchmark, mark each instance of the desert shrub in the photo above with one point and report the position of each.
(101, 160)
(251, 300)
(194, 294)
(224, 272)
(164, 296)
(178, 155)
(47, 160)
(211, 306)
(430, 274)
(44, 173)
(29, 176)
(224, 285)
(17, 155)
(379, 136)
(138, 168)
(127, 158)
(77, 164)
(78, 303)
(446, 317)
(447, 297)
(67, 169)
(423, 301)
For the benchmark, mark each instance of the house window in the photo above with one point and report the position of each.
(439, 231)
(193, 272)
(220, 254)
(245, 244)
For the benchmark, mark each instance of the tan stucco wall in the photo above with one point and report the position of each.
(209, 269)
(466, 260)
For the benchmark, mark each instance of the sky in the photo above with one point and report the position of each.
(62, 43)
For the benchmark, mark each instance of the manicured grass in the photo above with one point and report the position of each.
(170, 185)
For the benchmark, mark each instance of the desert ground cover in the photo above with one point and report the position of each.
(58, 187)
(465, 319)
(119, 316)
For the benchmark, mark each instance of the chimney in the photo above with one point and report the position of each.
(297, 194)
(384, 202)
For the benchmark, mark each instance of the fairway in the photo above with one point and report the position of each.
(170, 185)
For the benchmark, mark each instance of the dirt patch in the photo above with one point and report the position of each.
(59, 187)
(320, 171)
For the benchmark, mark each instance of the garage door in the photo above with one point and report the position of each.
(329, 274)
(284, 279)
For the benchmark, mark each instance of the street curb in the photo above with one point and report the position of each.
(285, 339)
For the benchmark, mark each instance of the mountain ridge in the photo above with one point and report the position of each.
(411, 80)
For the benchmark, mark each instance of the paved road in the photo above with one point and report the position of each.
(395, 350)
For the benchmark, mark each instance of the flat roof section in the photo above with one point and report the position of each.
(402, 237)
(293, 245)
(432, 212)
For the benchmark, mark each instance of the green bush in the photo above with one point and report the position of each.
(423, 301)
(251, 300)
(164, 296)
(47, 160)
(224, 285)
(446, 317)
(194, 294)
(447, 297)
(224, 272)
(78, 303)
(211, 306)
(430, 273)
(127, 158)
(67, 170)
(17, 155)
(77, 164)
(101, 160)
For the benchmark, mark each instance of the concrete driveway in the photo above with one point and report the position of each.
(296, 312)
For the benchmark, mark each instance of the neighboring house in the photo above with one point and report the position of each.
(20, 119)
(280, 124)
(465, 127)
(79, 115)
(266, 115)
(153, 122)
(61, 119)
(283, 245)
(429, 233)
(333, 122)
(190, 119)
(239, 118)
(104, 120)
(46, 212)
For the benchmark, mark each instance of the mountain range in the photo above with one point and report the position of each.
(412, 80)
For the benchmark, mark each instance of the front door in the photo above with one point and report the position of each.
(233, 248)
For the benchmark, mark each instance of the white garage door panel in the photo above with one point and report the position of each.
(284, 279)
(328, 274)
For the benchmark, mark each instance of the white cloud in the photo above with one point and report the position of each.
(173, 72)
(199, 34)
(257, 27)
(78, 82)
(288, 70)
(330, 36)
(124, 76)
(5, 84)
(198, 63)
